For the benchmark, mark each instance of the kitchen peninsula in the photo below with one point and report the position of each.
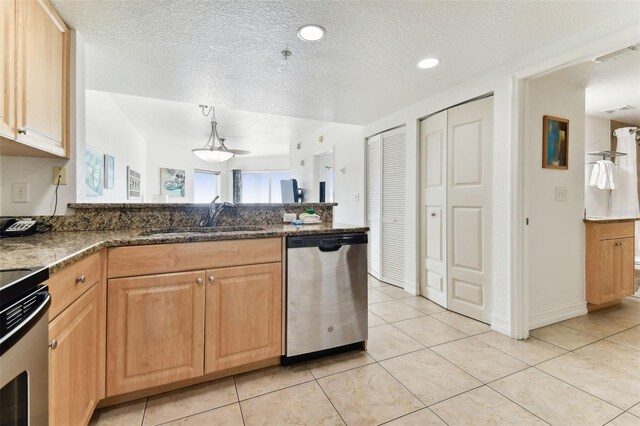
(145, 301)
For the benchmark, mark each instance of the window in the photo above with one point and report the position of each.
(205, 186)
(262, 187)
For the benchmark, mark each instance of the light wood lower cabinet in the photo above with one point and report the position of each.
(155, 330)
(243, 315)
(609, 262)
(74, 375)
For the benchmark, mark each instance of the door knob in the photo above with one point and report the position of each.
(211, 278)
(81, 279)
(199, 280)
(53, 344)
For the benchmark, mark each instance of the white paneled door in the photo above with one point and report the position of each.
(433, 184)
(469, 150)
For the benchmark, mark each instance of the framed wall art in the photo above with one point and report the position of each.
(133, 184)
(555, 143)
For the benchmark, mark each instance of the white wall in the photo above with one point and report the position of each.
(178, 157)
(38, 172)
(254, 164)
(109, 131)
(554, 239)
(597, 138)
(348, 154)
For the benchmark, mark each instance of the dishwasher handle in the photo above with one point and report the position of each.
(334, 247)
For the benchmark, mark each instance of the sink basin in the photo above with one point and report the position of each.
(211, 230)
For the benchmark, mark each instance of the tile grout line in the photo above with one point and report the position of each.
(582, 390)
(196, 414)
(238, 397)
(330, 401)
(509, 399)
(144, 411)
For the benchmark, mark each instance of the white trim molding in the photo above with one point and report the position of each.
(500, 324)
(557, 314)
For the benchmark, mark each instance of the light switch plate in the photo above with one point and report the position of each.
(561, 193)
(20, 192)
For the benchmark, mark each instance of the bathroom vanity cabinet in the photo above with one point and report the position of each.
(609, 262)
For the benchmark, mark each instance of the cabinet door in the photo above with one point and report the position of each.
(624, 268)
(73, 361)
(7, 85)
(155, 330)
(42, 78)
(244, 315)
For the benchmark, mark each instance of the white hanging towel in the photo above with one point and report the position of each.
(595, 174)
(624, 199)
(607, 175)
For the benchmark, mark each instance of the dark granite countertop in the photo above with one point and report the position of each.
(603, 219)
(58, 250)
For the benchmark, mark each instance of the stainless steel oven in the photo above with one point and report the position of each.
(24, 302)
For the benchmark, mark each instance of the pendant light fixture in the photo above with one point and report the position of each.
(215, 151)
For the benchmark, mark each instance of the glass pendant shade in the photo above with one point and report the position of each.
(213, 155)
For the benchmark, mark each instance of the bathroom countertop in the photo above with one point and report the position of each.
(58, 250)
(602, 219)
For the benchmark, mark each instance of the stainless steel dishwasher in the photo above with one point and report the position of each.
(326, 295)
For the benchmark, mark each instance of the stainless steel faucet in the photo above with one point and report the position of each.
(214, 212)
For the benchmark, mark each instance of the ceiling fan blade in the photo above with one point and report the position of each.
(239, 151)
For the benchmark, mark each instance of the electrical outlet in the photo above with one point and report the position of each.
(62, 172)
(20, 192)
(561, 193)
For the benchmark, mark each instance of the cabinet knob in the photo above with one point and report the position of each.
(211, 278)
(22, 131)
(433, 214)
(199, 280)
(81, 279)
(53, 344)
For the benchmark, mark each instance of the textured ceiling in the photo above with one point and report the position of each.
(163, 122)
(227, 53)
(610, 84)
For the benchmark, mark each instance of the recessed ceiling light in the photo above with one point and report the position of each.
(428, 63)
(310, 32)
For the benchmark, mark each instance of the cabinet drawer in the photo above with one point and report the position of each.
(606, 231)
(161, 258)
(70, 283)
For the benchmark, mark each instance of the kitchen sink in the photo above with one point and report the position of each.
(202, 230)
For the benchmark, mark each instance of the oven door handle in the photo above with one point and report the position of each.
(11, 338)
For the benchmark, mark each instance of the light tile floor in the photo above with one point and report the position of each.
(429, 366)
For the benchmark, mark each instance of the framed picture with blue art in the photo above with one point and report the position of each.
(555, 143)
(109, 168)
(172, 182)
(94, 172)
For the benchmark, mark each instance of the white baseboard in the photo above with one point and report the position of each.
(557, 314)
(500, 324)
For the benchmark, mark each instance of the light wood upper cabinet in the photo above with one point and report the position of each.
(155, 330)
(40, 125)
(74, 376)
(243, 315)
(7, 68)
(610, 262)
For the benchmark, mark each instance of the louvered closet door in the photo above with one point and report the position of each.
(374, 151)
(393, 236)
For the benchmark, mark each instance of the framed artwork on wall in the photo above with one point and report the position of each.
(109, 168)
(172, 182)
(555, 143)
(94, 172)
(133, 184)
